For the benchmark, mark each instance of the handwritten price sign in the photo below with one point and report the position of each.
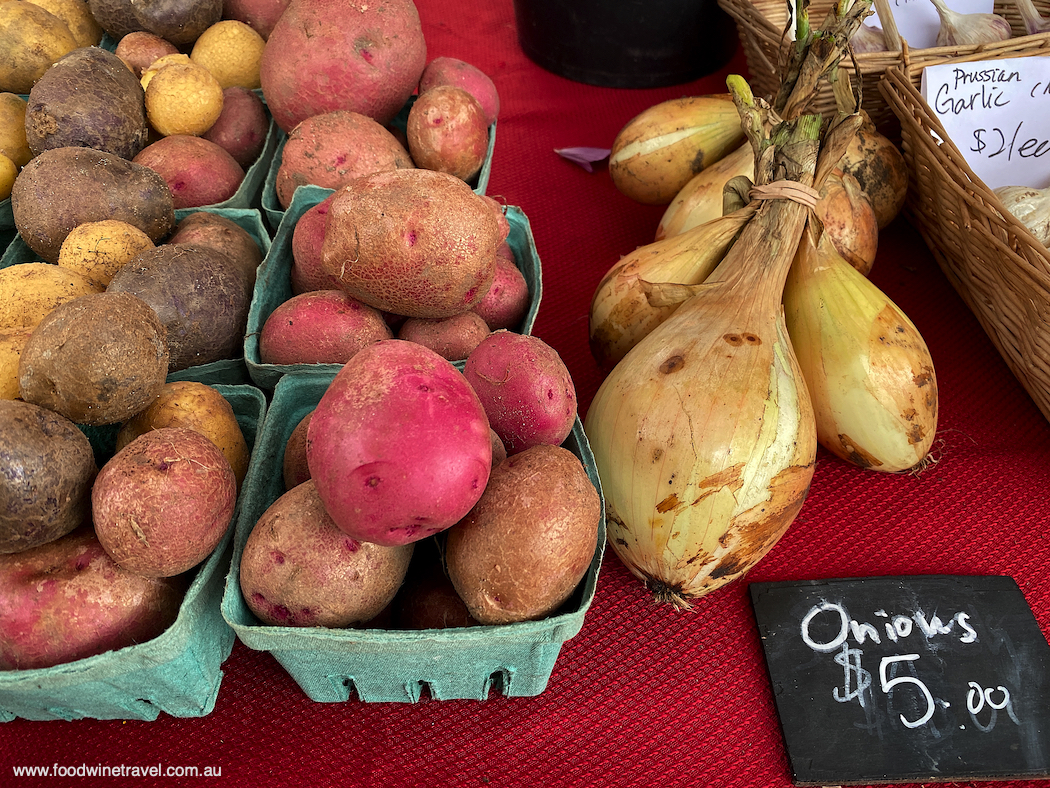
(995, 112)
(907, 679)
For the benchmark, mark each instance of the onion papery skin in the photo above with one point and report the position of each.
(703, 435)
(869, 372)
(621, 314)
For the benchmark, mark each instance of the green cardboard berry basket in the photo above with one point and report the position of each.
(227, 371)
(273, 211)
(383, 665)
(178, 672)
(273, 285)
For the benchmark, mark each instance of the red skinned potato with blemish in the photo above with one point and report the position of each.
(67, 600)
(446, 131)
(298, 569)
(460, 74)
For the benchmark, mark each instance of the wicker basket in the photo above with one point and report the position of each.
(761, 24)
(998, 268)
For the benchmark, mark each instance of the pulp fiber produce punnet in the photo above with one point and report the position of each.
(683, 517)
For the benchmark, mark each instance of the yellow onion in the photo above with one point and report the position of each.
(869, 372)
(849, 219)
(703, 435)
(700, 200)
(622, 311)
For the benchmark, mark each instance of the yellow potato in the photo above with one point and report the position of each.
(78, 18)
(11, 344)
(31, 39)
(29, 291)
(183, 98)
(8, 173)
(231, 50)
(13, 142)
(158, 64)
(99, 249)
(196, 406)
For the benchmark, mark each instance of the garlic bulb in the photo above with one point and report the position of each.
(1031, 18)
(870, 374)
(1030, 206)
(868, 38)
(962, 29)
(703, 435)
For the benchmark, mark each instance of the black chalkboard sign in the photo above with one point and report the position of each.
(921, 678)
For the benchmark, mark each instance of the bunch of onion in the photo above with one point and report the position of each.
(869, 373)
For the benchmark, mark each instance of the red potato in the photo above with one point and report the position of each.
(398, 445)
(298, 569)
(198, 171)
(460, 74)
(506, 303)
(501, 216)
(499, 451)
(162, 504)
(139, 49)
(453, 337)
(332, 149)
(525, 388)
(427, 599)
(294, 468)
(260, 15)
(320, 327)
(447, 132)
(307, 272)
(67, 600)
(324, 55)
(242, 125)
(432, 254)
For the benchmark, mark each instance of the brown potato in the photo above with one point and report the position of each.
(89, 98)
(434, 253)
(224, 235)
(46, 470)
(197, 406)
(200, 296)
(64, 187)
(98, 359)
(29, 291)
(298, 569)
(525, 546)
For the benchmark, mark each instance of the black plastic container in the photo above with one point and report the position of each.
(626, 43)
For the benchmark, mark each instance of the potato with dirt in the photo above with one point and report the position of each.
(199, 296)
(332, 149)
(522, 550)
(98, 359)
(458, 73)
(447, 131)
(87, 99)
(163, 503)
(223, 234)
(67, 600)
(65, 187)
(47, 468)
(299, 569)
(415, 242)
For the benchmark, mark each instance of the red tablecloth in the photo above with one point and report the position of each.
(643, 696)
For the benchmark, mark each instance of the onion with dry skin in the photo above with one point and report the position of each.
(869, 372)
(622, 312)
(849, 220)
(703, 435)
(700, 200)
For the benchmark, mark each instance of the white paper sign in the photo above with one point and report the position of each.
(918, 21)
(997, 113)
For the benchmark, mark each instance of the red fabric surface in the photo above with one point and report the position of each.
(644, 695)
